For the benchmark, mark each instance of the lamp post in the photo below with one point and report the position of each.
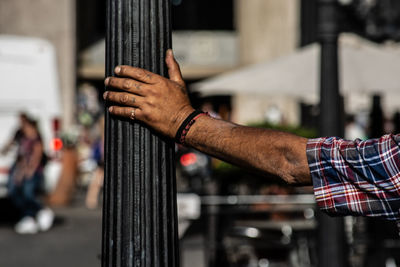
(331, 241)
(139, 212)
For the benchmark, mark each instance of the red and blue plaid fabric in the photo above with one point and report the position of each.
(356, 177)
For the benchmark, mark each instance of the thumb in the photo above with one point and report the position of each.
(174, 71)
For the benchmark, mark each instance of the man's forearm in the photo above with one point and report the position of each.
(265, 151)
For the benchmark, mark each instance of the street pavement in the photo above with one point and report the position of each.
(75, 240)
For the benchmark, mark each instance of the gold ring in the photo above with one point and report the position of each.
(132, 116)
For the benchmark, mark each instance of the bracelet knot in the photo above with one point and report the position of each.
(186, 124)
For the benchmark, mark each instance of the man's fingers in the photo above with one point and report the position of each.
(137, 74)
(126, 84)
(174, 71)
(124, 99)
(126, 112)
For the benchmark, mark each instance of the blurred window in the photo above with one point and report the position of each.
(202, 15)
(91, 23)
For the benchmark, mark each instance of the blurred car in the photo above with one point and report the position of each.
(29, 84)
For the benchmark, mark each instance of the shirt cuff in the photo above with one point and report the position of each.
(323, 191)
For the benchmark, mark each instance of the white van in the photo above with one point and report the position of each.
(28, 83)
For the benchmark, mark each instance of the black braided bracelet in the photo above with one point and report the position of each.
(186, 124)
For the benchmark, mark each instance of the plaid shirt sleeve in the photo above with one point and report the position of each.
(356, 177)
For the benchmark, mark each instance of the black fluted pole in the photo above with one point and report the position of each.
(331, 238)
(139, 212)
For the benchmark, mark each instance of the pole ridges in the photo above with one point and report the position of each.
(139, 211)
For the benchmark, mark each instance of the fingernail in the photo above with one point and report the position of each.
(117, 69)
(170, 53)
(105, 94)
(107, 81)
(110, 109)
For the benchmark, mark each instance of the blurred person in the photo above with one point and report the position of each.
(273, 115)
(25, 180)
(349, 177)
(208, 107)
(353, 130)
(96, 183)
(15, 140)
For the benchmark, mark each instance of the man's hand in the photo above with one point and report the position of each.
(159, 102)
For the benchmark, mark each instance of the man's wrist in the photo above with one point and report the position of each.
(180, 118)
(187, 124)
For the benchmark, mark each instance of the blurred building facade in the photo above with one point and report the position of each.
(209, 41)
(209, 38)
